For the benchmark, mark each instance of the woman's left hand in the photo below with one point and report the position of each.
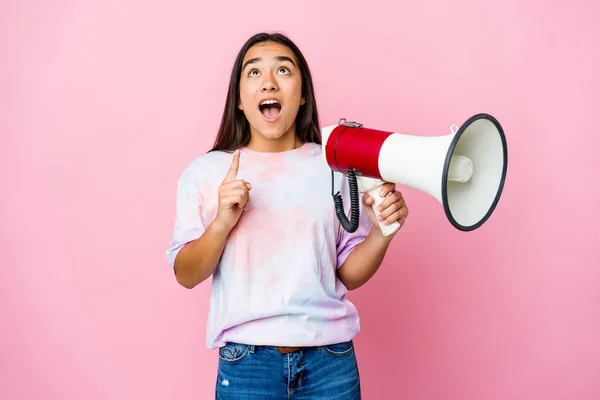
(392, 209)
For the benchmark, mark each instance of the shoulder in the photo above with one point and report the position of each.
(204, 168)
(308, 150)
(314, 149)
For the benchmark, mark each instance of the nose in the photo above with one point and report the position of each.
(268, 85)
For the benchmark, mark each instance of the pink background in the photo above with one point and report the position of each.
(103, 103)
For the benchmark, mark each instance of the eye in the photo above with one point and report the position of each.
(254, 72)
(283, 70)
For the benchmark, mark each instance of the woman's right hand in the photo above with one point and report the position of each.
(234, 195)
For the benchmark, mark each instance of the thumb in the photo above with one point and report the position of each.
(233, 169)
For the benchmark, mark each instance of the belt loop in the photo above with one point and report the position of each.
(252, 348)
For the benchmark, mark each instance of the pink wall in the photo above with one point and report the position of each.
(103, 103)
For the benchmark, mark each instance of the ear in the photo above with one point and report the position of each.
(302, 101)
(240, 105)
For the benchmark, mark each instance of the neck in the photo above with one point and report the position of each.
(261, 144)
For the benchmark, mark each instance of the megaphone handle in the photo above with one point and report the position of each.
(385, 229)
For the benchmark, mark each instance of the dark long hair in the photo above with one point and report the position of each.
(234, 131)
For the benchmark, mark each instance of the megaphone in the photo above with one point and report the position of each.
(464, 170)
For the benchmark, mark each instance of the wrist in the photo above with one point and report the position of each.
(377, 235)
(220, 228)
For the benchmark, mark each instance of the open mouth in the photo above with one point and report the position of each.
(270, 109)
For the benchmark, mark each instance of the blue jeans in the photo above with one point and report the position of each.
(262, 373)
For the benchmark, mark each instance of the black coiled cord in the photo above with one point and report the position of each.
(352, 224)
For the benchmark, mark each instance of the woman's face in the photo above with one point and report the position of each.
(270, 91)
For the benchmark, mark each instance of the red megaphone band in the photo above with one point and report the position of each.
(353, 147)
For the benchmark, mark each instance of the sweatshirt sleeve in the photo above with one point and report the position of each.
(189, 225)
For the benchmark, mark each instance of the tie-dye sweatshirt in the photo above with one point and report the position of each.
(276, 281)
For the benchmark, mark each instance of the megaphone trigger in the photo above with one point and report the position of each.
(372, 187)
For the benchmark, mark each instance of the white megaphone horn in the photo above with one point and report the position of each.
(464, 170)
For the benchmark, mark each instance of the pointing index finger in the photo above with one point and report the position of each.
(233, 169)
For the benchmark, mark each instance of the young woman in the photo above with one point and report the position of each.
(256, 214)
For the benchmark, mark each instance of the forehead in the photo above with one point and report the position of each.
(268, 51)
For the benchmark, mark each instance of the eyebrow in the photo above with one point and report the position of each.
(257, 59)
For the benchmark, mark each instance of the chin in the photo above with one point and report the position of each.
(272, 131)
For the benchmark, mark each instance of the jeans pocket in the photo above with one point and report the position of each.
(342, 349)
(233, 353)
